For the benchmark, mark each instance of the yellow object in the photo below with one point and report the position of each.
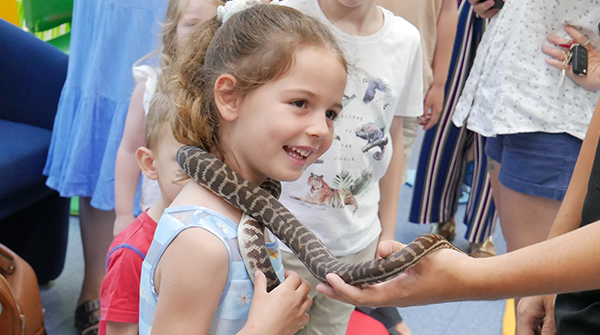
(8, 11)
(509, 323)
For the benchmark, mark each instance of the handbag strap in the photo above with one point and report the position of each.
(7, 262)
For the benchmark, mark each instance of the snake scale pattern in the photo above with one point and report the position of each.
(261, 204)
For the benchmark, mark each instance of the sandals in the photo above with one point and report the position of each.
(446, 229)
(87, 317)
(483, 249)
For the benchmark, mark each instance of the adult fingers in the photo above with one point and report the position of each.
(556, 63)
(557, 53)
(484, 8)
(335, 289)
(554, 39)
(345, 292)
(577, 36)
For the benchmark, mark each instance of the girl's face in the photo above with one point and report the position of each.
(285, 125)
(195, 12)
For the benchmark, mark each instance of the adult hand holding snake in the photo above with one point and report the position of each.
(424, 283)
(565, 263)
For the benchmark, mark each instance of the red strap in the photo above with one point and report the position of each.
(567, 46)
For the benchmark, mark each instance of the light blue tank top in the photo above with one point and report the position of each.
(236, 298)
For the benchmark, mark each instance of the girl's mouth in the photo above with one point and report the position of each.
(298, 152)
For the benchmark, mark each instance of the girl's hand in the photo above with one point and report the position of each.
(591, 81)
(283, 310)
(432, 107)
(484, 8)
(419, 285)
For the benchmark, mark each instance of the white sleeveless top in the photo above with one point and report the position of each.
(150, 190)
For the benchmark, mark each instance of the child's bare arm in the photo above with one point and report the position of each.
(189, 295)
(445, 34)
(389, 185)
(189, 280)
(119, 328)
(127, 171)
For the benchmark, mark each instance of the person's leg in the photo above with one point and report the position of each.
(480, 214)
(525, 219)
(96, 235)
(529, 179)
(530, 174)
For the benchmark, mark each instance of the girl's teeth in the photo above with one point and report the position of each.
(299, 153)
(295, 155)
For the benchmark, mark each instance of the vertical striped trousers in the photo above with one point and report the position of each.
(443, 156)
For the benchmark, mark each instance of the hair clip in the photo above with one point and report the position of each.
(231, 7)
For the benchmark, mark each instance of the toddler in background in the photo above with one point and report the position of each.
(119, 295)
(181, 17)
(259, 89)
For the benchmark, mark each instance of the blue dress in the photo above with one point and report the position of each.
(107, 37)
(236, 298)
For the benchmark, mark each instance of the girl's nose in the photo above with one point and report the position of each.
(320, 126)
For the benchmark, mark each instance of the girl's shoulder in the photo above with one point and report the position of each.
(194, 215)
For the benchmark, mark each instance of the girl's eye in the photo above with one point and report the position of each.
(299, 103)
(331, 115)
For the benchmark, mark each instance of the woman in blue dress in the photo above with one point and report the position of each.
(107, 37)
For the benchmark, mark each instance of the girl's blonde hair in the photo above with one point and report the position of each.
(160, 116)
(167, 50)
(255, 46)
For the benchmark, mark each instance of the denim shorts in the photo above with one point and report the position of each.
(538, 164)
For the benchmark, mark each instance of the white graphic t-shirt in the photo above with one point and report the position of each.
(338, 196)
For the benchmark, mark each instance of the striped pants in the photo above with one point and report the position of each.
(443, 155)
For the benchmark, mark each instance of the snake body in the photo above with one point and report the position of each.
(261, 205)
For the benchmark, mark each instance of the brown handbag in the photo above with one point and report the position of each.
(20, 303)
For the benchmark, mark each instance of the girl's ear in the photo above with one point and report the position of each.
(145, 159)
(225, 97)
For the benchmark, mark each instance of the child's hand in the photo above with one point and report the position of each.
(591, 81)
(432, 107)
(283, 310)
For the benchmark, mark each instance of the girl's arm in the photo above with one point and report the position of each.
(567, 263)
(127, 171)
(446, 32)
(119, 328)
(190, 279)
(389, 185)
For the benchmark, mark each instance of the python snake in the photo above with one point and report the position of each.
(260, 204)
